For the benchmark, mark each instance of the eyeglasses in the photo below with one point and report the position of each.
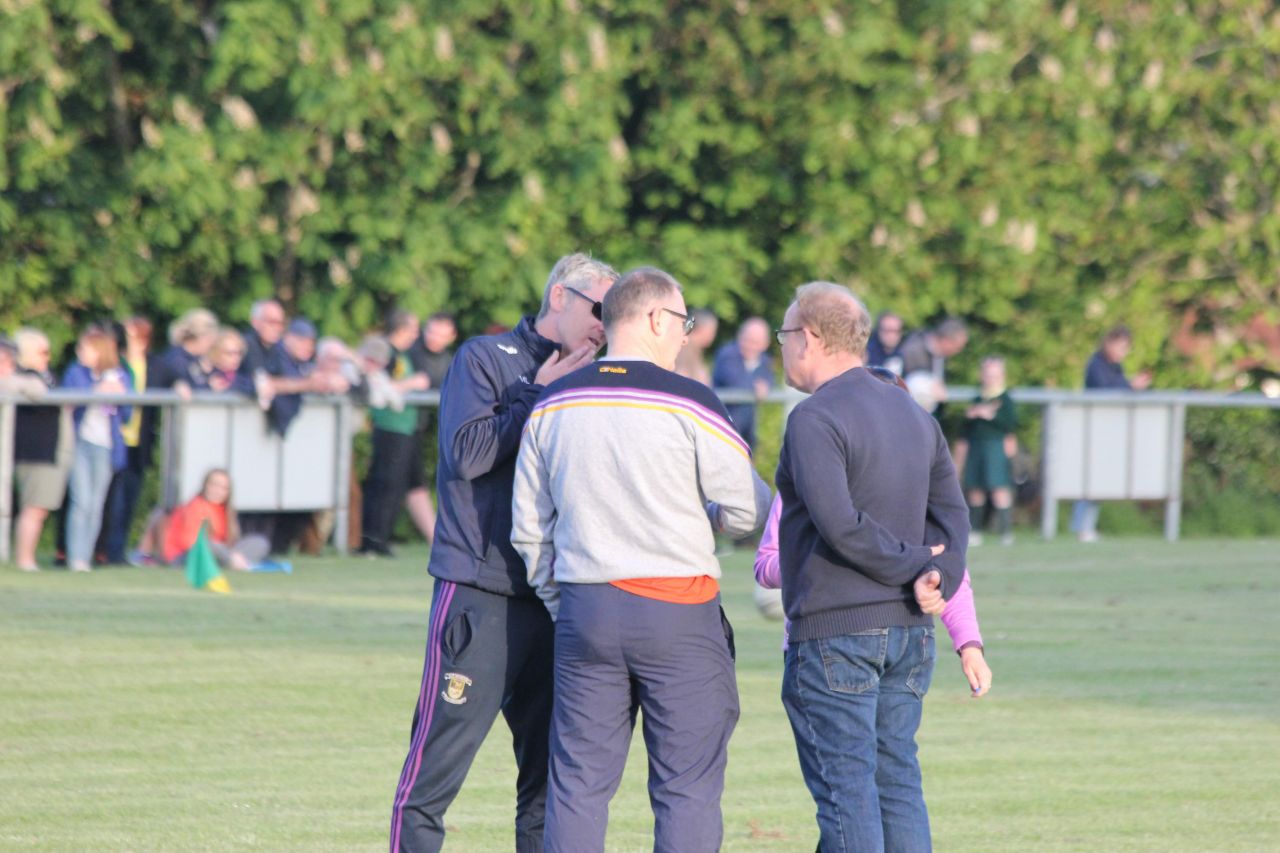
(597, 308)
(688, 322)
(781, 334)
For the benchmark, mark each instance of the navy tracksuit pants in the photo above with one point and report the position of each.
(611, 648)
(485, 653)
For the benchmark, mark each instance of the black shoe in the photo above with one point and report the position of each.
(375, 549)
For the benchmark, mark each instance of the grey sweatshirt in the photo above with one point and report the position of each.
(624, 468)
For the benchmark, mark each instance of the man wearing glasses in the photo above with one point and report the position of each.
(625, 473)
(488, 637)
(861, 469)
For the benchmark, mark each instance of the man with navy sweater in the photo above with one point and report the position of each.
(488, 636)
(861, 469)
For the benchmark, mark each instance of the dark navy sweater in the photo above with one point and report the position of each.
(484, 403)
(862, 470)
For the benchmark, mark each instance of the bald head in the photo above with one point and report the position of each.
(753, 338)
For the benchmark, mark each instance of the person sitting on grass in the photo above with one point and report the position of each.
(174, 534)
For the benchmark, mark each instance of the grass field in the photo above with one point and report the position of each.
(1136, 707)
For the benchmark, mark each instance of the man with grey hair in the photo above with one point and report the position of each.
(488, 637)
(863, 470)
(625, 473)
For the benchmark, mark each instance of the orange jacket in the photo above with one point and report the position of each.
(184, 526)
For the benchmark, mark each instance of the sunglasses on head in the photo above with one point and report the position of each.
(597, 308)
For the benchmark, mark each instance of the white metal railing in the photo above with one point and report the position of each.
(1057, 404)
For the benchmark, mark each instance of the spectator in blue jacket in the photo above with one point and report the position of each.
(184, 366)
(1105, 371)
(744, 364)
(100, 450)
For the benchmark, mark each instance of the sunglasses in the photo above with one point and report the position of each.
(597, 308)
(688, 322)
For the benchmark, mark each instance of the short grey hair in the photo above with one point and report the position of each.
(950, 328)
(255, 311)
(29, 340)
(835, 315)
(635, 291)
(578, 270)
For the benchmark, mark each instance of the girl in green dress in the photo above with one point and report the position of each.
(989, 423)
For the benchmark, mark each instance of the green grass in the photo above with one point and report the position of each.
(1137, 688)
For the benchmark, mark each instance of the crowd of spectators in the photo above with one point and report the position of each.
(87, 463)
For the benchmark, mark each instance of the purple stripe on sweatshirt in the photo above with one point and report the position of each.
(612, 394)
(426, 708)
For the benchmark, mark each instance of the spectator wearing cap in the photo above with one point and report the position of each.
(290, 372)
(396, 464)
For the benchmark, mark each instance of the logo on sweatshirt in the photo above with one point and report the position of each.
(508, 350)
(610, 368)
(455, 685)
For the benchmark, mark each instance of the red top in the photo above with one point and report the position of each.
(184, 526)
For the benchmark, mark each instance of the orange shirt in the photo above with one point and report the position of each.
(697, 590)
(184, 526)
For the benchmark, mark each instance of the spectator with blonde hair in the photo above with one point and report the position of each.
(99, 446)
(184, 367)
(42, 451)
(224, 364)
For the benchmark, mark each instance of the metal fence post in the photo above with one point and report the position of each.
(342, 477)
(1048, 502)
(7, 413)
(1177, 438)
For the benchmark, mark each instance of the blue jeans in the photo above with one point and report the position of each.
(1084, 517)
(90, 478)
(854, 702)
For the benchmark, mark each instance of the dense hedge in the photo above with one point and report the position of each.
(1043, 169)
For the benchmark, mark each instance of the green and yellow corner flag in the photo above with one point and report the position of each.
(202, 566)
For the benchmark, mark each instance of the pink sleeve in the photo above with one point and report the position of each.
(768, 572)
(960, 616)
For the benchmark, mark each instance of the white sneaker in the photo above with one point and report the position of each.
(975, 539)
(78, 566)
(1088, 536)
(29, 568)
(1006, 539)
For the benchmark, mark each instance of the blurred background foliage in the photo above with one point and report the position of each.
(1043, 169)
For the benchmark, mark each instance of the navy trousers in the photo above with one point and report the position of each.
(677, 660)
(485, 653)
